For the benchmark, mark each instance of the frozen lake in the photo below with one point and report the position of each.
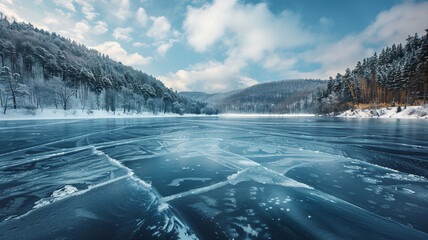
(214, 178)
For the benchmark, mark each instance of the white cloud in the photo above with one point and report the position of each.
(394, 25)
(164, 46)
(250, 33)
(160, 28)
(8, 1)
(10, 12)
(122, 33)
(120, 9)
(208, 77)
(206, 25)
(142, 17)
(87, 9)
(51, 20)
(252, 28)
(68, 4)
(81, 28)
(100, 27)
(116, 52)
(140, 44)
(278, 63)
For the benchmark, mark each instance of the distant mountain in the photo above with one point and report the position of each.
(41, 69)
(286, 96)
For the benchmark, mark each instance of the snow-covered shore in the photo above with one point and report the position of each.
(415, 112)
(49, 114)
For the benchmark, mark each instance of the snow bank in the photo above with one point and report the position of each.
(23, 114)
(416, 112)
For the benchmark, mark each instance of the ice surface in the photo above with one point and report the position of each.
(214, 178)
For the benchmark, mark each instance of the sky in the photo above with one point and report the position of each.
(222, 45)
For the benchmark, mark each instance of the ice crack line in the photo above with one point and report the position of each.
(118, 164)
(74, 194)
(258, 174)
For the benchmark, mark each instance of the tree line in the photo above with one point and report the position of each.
(45, 70)
(397, 75)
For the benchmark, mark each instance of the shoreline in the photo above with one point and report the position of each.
(410, 112)
(59, 114)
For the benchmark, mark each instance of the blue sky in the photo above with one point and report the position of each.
(222, 45)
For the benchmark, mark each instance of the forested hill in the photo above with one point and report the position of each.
(286, 96)
(397, 75)
(42, 69)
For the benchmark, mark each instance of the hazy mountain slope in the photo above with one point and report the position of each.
(286, 96)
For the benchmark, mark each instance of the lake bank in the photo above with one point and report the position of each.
(413, 112)
(51, 114)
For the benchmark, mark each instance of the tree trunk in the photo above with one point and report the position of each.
(5, 106)
(425, 90)
(14, 100)
(13, 94)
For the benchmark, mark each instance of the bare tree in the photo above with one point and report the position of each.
(63, 93)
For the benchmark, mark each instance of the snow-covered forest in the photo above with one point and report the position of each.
(398, 75)
(45, 70)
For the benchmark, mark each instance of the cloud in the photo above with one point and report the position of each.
(142, 17)
(278, 63)
(51, 20)
(394, 25)
(10, 2)
(10, 12)
(391, 26)
(164, 46)
(87, 9)
(140, 44)
(122, 33)
(249, 33)
(120, 9)
(81, 28)
(160, 28)
(68, 4)
(250, 29)
(100, 27)
(324, 21)
(207, 77)
(116, 52)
